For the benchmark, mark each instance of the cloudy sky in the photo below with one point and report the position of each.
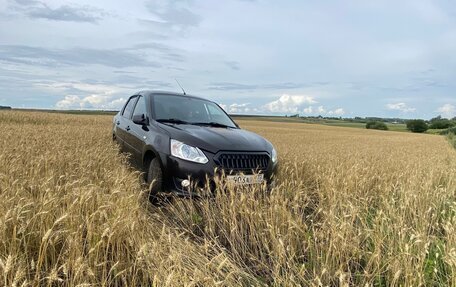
(341, 58)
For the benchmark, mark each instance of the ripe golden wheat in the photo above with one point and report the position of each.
(352, 207)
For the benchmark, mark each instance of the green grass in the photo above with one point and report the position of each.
(451, 130)
(452, 139)
(436, 271)
(344, 124)
(434, 131)
(328, 122)
(398, 127)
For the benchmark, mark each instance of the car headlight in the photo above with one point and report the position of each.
(186, 152)
(274, 155)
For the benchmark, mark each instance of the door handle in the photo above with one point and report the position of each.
(128, 128)
(118, 123)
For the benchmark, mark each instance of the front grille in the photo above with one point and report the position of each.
(243, 161)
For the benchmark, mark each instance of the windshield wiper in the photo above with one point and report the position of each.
(173, 121)
(212, 124)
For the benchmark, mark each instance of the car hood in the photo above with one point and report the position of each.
(214, 139)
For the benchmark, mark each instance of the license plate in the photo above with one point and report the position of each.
(245, 179)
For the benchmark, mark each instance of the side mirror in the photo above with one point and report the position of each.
(140, 120)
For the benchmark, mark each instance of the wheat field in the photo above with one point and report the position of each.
(352, 207)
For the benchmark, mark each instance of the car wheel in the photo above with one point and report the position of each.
(154, 178)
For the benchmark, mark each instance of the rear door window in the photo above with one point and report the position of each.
(129, 107)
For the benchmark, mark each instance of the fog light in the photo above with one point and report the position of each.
(185, 183)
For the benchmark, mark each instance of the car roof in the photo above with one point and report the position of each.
(158, 92)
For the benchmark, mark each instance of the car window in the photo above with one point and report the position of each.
(215, 113)
(129, 107)
(192, 110)
(140, 108)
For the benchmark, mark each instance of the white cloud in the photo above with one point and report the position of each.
(288, 104)
(337, 112)
(400, 107)
(321, 110)
(308, 110)
(90, 102)
(69, 101)
(79, 86)
(447, 110)
(238, 108)
(89, 96)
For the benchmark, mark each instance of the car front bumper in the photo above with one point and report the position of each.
(176, 170)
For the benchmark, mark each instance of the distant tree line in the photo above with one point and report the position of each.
(5, 108)
(441, 123)
(363, 120)
(417, 126)
(414, 125)
(438, 123)
(376, 125)
(376, 119)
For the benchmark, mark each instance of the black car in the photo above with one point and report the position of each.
(180, 141)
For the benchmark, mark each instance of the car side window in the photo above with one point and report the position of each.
(140, 108)
(129, 108)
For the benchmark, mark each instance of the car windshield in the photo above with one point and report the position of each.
(187, 110)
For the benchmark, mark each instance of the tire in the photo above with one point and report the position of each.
(154, 179)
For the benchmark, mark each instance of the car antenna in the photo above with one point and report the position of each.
(180, 86)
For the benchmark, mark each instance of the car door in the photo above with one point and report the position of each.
(138, 133)
(124, 124)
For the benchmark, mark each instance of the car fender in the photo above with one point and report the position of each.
(150, 148)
